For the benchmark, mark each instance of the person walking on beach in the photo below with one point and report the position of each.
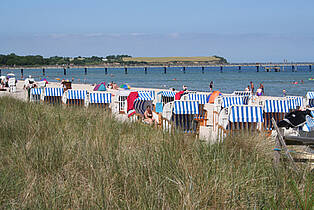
(284, 93)
(211, 85)
(252, 87)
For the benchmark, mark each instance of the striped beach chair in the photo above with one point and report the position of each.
(202, 99)
(52, 95)
(74, 97)
(245, 117)
(228, 101)
(147, 94)
(295, 102)
(274, 108)
(35, 94)
(310, 99)
(140, 105)
(99, 99)
(121, 100)
(166, 96)
(184, 114)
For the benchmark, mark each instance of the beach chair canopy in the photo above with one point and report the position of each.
(280, 106)
(242, 93)
(246, 114)
(100, 98)
(201, 98)
(167, 93)
(295, 101)
(141, 105)
(310, 95)
(76, 94)
(146, 95)
(53, 91)
(36, 91)
(228, 101)
(186, 107)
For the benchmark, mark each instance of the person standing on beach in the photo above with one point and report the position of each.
(252, 87)
(284, 93)
(261, 86)
(211, 85)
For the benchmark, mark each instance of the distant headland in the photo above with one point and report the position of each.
(15, 61)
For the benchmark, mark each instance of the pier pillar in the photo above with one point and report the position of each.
(145, 69)
(203, 69)
(106, 70)
(184, 70)
(276, 70)
(310, 67)
(125, 70)
(165, 70)
(64, 71)
(0, 72)
(257, 68)
(85, 71)
(239, 68)
(22, 73)
(221, 69)
(293, 68)
(44, 73)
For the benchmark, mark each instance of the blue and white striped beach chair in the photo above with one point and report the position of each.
(99, 99)
(228, 101)
(295, 102)
(75, 97)
(166, 96)
(184, 114)
(276, 109)
(245, 118)
(35, 94)
(310, 99)
(52, 95)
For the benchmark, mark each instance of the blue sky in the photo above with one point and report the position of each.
(241, 31)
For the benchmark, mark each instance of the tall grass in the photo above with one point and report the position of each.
(56, 157)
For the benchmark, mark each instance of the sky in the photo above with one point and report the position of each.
(240, 31)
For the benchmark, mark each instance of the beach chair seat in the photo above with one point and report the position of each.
(35, 94)
(274, 108)
(74, 97)
(99, 99)
(52, 95)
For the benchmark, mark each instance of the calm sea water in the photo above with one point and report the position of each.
(227, 81)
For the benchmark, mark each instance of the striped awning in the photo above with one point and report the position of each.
(141, 105)
(36, 91)
(228, 101)
(53, 91)
(146, 96)
(295, 101)
(100, 98)
(186, 107)
(76, 94)
(246, 114)
(242, 93)
(201, 98)
(276, 106)
(310, 95)
(168, 93)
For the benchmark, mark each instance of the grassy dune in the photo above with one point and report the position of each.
(56, 158)
(172, 59)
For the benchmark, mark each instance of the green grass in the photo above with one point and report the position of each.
(57, 158)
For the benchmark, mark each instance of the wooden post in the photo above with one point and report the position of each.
(44, 73)
(0, 71)
(203, 69)
(292, 68)
(106, 70)
(239, 68)
(220, 69)
(85, 71)
(22, 73)
(125, 70)
(145, 69)
(257, 68)
(310, 67)
(283, 145)
(165, 70)
(184, 70)
(64, 71)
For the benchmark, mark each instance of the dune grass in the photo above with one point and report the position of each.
(55, 157)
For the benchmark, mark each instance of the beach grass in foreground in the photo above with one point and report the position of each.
(56, 157)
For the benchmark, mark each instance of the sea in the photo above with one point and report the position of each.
(225, 81)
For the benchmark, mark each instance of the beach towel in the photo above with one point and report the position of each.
(178, 95)
(130, 103)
